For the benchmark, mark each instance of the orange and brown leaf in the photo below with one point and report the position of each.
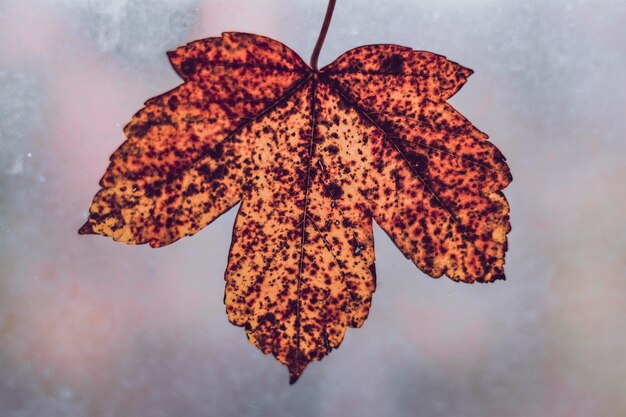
(313, 157)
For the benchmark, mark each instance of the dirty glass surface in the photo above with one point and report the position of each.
(90, 327)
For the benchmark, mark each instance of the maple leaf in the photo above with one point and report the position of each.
(312, 156)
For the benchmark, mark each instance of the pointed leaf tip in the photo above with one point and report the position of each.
(499, 277)
(295, 371)
(86, 229)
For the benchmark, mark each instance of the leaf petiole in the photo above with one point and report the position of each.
(320, 40)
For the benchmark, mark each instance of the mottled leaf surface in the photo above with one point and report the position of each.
(313, 157)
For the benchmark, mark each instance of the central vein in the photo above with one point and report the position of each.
(305, 215)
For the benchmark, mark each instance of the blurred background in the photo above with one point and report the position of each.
(90, 327)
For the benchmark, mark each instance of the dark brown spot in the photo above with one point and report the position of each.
(417, 160)
(393, 64)
(173, 103)
(188, 66)
(334, 190)
(217, 152)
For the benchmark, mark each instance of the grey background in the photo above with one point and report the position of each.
(89, 327)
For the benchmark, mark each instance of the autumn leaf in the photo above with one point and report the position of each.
(312, 156)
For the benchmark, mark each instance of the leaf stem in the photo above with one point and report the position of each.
(323, 31)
